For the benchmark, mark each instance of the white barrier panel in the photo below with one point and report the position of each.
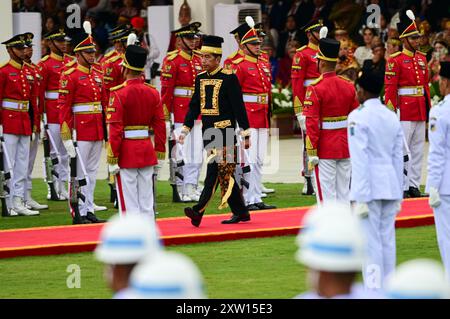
(29, 22)
(6, 29)
(160, 23)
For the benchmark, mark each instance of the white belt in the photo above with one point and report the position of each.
(253, 98)
(334, 125)
(411, 91)
(15, 105)
(51, 95)
(136, 133)
(86, 108)
(308, 82)
(183, 92)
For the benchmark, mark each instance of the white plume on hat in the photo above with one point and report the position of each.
(131, 39)
(410, 15)
(250, 21)
(87, 27)
(323, 32)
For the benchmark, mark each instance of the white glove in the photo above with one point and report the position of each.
(33, 136)
(435, 199)
(113, 169)
(362, 210)
(158, 166)
(70, 148)
(312, 162)
(301, 121)
(1, 130)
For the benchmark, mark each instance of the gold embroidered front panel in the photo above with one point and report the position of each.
(213, 108)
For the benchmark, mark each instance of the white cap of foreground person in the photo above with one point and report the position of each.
(128, 239)
(332, 240)
(418, 279)
(168, 275)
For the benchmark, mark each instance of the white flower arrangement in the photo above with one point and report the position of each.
(282, 100)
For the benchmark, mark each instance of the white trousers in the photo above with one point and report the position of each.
(334, 178)
(33, 151)
(415, 138)
(191, 152)
(379, 227)
(135, 190)
(442, 221)
(259, 139)
(18, 148)
(90, 154)
(62, 168)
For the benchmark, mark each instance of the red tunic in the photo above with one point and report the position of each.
(81, 100)
(304, 71)
(406, 85)
(135, 108)
(112, 70)
(254, 77)
(16, 92)
(328, 102)
(178, 75)
(50, 68)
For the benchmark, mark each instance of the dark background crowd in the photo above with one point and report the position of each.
(362, 46)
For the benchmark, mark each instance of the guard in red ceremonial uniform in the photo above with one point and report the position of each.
(328, 102)
(114, 37)
(112, 68)
(254, 77)
(18, 121)
(51, 68)
(135, 108)
(227, 64)
(177, 87)
(304, 72)
(81, 102)
(407, 93)
(30, 203)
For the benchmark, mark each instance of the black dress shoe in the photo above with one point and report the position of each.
(414, 192)
(406, 194)
(252, 207)
(93, 219)
(236, 219)
(80, 220)
(309, 187)
(196, 218)
(265, 206)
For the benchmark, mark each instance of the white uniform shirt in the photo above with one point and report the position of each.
(439, 152)
(375, 139)
(357, 292)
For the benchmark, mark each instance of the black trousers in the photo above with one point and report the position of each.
(216, 174)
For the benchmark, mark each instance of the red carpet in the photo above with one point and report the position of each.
(276, 222)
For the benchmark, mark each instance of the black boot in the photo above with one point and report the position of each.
(309, 186)
(414, 192)
(196, 218)
(93, 219)
(237, 218)
(78, 220)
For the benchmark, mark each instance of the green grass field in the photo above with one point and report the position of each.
(252, 268)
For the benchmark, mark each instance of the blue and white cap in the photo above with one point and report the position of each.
(333, 240)
(128, 239)
(168, 275)
(418, 279)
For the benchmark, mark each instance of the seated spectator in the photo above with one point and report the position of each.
(128, 10)
(98, 31)
(347, 65)
(377, 63)
(271, 52)
(424, 40)
(365, 52)
(30, 6)
(50, 24)
(270, 32)
(287, 36)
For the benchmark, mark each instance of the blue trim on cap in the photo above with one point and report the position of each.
(150, 290)
(123, 242)
(326, 248)
(408, 295)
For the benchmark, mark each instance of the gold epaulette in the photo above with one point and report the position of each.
(237, 61)
(148, 84)
(344, 78)
(227, 71)
(107, 55)
(45, 58)
(301, 48)
(98, 69)
(70, 64)
(115, 88)
(393, 55)
(69, 71)
(172, 56)
(320, 78)
(232, 55)
(172, 52)
(420, 52)
(113, 59)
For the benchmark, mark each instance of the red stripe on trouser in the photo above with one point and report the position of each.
(120, 193)
(319, 189)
